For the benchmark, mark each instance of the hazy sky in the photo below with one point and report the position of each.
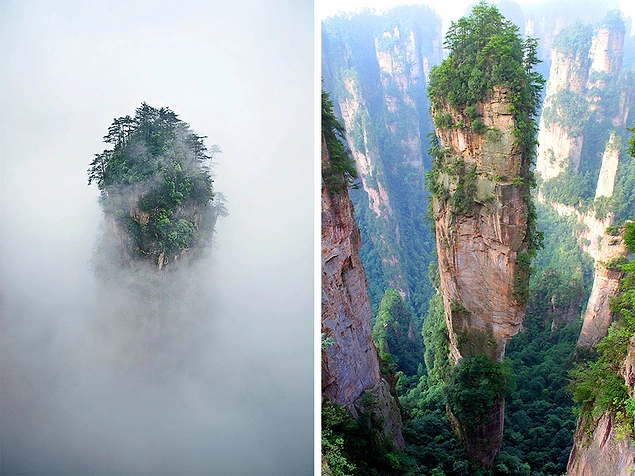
(74, 400)
(449, 10)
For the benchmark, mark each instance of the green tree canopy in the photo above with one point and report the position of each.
(154, 182)
(341, 173)
(487, 51)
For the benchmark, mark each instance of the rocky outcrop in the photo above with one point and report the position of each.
(557, 149)
(481, 242)
(590, 238)
(401, 71)
(350, 366)
(606, 50)
(583, 74)
(608, 172)
(478, 251)
(598, 316)
(607, 450)
(601, 454)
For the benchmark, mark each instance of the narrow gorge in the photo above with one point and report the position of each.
(514, 289)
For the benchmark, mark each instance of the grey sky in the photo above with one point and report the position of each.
(240, 72)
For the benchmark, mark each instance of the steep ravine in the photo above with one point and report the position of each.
(377, 68)
(350, 366)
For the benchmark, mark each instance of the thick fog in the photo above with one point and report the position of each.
(206, 370)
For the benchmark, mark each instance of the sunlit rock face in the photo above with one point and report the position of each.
(607, 451)
(350, 366)
(478, 248)
(598, 317)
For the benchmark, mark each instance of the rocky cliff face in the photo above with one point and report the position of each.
(584, 74)
(377, 69)
(608, 171)
(601, 454)
(598, 316)
(478, 250)
(606, 451)
(355, 116)
(480, 244)
(350, 367)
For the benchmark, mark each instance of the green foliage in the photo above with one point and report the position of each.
(486, 51)
(336, 422)
(357, 447)
(155, 181)
(597, 385)
(569, 110)
(539, 422)
(629, 236)
(326, 341)
(476, 386)
(341, 172)
(575, 42)
(393, 333)
(613, 21)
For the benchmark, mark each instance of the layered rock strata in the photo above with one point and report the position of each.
(480, 239)
(478, 250)
(350, 366)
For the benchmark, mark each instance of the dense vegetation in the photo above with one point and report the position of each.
(341, 172)
(598, 386)
(357, 446)
(394, 334)
(487, 51)
(155, 183)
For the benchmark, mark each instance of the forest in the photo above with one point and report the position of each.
(390, 102)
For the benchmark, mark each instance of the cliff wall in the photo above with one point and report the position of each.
(356, 117)
(580, 76)
(606, 451)
(350, 366)
(480, 241)
(598, 316)
(601, 454)
(478, 251)
(377, 67)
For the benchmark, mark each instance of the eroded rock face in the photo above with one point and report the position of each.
(598, 316)
(608, 171)
(478, 250)
(354, 115)
(602, 454)
(606, 51)
(350, 366)
(479, 246)
(585, 75)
